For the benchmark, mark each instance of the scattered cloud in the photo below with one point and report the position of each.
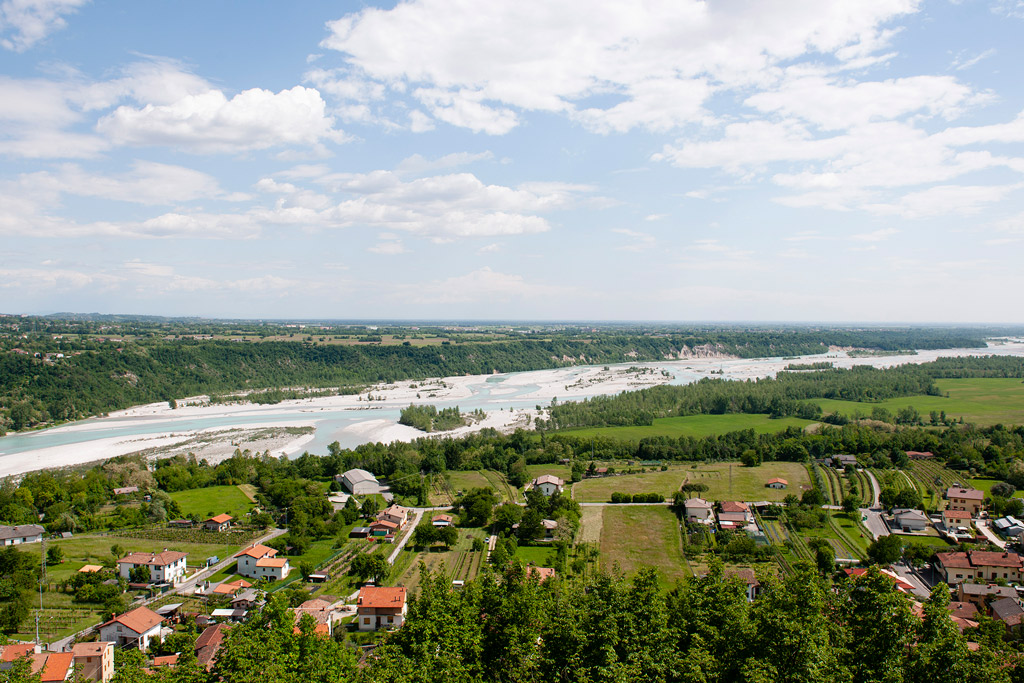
(639, 241)
(23, 23)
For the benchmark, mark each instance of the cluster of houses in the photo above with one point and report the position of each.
(730, 514)
(963, 505)
(388, 525)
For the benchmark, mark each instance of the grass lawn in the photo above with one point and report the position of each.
(637, 536)
(933, 541)
(745, 483)
(560, 471)
(986, 486)
(464, 481)
(539, 555)
(591, 523)
(213, 500)
(852, 530)
(694, 425)
(317, 553)
(981, 401)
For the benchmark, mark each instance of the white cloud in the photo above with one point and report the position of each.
(945, 199)
(639, 241)
(210, 122)
(656, 64)
(416, 164)
(23, 23)
(389, 248)
(29, 279)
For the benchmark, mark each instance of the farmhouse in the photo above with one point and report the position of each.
(383, 527)
(132, 629)
(17, 535)
(735, 511)
(379, 607)
(699, 510)
(165, 567)
(359, 482)
(259, 561)
(218, 523)
(777, 483)
(394, 513)
(958, 567)
(94, 661)
(841, 461)
(548, 484)
(970, 500)
(441, 520)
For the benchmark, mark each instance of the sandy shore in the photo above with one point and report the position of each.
(168, 430)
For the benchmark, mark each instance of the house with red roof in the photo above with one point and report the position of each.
(971, 500)
(777, 483)
(218, 523)
(260, 562)
(958, 567)
(380, 607)
(94, 661)
(165, 567)
(208, 643)
(133, 629)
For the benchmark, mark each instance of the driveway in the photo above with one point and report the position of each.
(986, 531)
(921, 587)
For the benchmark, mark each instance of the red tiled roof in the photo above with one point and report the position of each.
(220, 519)
(733, 506)
(57, 665)
(90, 649)
(956, 514)
(165, 660)
(379, 597)
(981, 558)
(967, 494)
(156, 559)
(8, 653)
(964, 610)
(139, 620)
(208, 643)
(384, 523)
(954, 560)
(256, 550)
(778, 480)
(441, 518)
(747, 576)
(272, 562)
(542, 573)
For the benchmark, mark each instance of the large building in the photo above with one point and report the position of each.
(379, 607)
(971, 500)
(359, 482)
(977, 564)
(16, 535)
(260, 562)
(165, 567)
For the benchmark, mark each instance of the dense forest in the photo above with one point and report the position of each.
(53, 370)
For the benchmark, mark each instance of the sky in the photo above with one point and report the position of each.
(755, 160)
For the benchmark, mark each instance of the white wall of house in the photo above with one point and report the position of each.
(121, 635)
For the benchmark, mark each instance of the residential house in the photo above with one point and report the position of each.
(208, 643)
(218, 523)
(843, 461)
(920, 455)
(11, 653)
(380, 607)
(899, 582)
(383, 527)
(132, 629)
(749, 579)
(165, 660)
(735, 514)
(956, 519)
(958, 567)
(260, 562)
(971, 500)
(980, 594)
(94, 661)
(165, 567)
(360, 532)
(909, 520)
(231, 587)
(1008, 611)
(548, 484)
(322, 612)
(442, 520)
(235, 615)
(394, 513)
(126, 490)
(359, 482)
(699, 510)
(17, 535)
(777, 483)
(247, 600)
(550, 526)
(54, 666)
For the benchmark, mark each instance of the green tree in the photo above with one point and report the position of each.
(54, 555)
(370, 567)
(886, 549)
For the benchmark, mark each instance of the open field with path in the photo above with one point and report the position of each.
(636, 536)
(745, 483)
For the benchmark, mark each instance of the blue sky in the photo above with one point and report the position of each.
(817, 160)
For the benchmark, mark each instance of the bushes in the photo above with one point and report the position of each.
(637, 498)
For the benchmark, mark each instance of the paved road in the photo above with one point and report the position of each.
(188, 587)
(921, 587)
(873, 514)
(418, 512)
(986, 530)
(876, 489)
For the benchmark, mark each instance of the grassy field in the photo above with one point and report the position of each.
(591, 523)
(213, 500)
(746, 483)
(458, 563)
(539, 555)
(636, 536)
(694, 425)
(986, 486)
(464, 481)
(560, 471)
(982, 401)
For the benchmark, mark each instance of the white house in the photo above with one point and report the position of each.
(16, 535)
(777, 483)
(548, 484)
(260, 562)
(132, 629)
(218, 523)
(699, 510)
(165, 567)
(380, 607)
(359, 482)
(910, 520)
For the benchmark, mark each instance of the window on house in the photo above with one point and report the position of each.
(366, 620)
